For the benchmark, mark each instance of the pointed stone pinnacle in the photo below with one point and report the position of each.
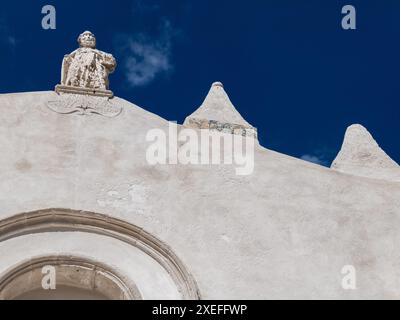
(217, 84)
(217, 112)
(361, 155)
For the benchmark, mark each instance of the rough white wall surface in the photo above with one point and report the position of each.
(361, 155)
(285, 231)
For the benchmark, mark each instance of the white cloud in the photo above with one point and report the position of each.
(320, 155)
(12, 41)
(311, 158)
(143, 7)
(146, 57)
(6, 37)
(146, 60)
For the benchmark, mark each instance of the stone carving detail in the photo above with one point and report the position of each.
(84, 105)
(84, 87)
(222, 127)
(86, 69)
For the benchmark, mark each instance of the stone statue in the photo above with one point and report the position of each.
(86, 69)
(84, 87)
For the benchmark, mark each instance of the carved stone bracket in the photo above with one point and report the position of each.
(84, 105)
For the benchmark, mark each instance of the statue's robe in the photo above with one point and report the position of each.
(88, 68)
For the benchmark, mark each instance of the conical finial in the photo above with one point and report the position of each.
(218, 113)
(361, 155)
(217, 84)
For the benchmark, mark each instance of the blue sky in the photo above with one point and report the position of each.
(288, 66)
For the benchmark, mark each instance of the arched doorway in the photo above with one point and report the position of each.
(74, 278)
(94, 256)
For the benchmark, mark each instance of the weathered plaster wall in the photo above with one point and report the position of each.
(283, 232)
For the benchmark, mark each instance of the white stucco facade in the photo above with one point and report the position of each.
(78, 193)
(284, 231)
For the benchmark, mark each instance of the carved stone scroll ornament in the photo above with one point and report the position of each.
(84, 87)
(84, 105)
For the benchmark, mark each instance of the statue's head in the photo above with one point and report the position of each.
(87, 40)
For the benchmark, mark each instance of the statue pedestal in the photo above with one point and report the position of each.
(84, 91)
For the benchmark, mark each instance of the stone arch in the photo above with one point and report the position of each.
(137, 246)
(98, 278)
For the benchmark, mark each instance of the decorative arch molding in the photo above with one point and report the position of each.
(56, 220)
(99, 278)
